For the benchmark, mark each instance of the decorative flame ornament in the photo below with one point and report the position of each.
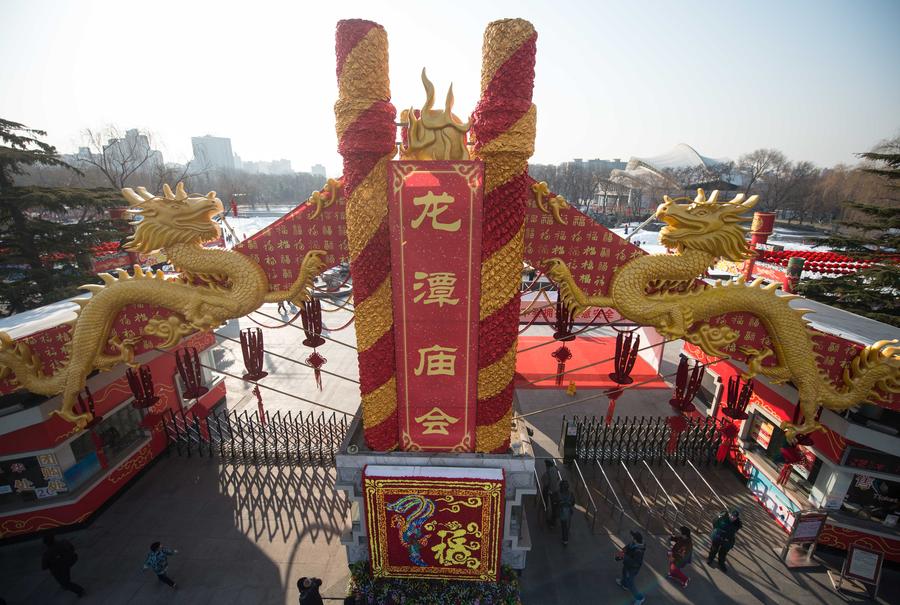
(253, 353)
(563, 324)
(686, 386)
(188, 363)
(627, 345)
(141, 384)
(432, 134)
(311, 316)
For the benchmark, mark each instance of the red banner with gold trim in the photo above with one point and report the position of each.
(435, 227)
(434, 522)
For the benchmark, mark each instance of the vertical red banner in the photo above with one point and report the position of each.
(435, 226)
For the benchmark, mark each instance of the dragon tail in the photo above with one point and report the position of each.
(21, 365)
(876, 368)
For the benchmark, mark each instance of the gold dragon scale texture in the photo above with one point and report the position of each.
(213, 286)
(700, 232)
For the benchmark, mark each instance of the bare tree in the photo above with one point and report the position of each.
(119, 157)
(754, 165)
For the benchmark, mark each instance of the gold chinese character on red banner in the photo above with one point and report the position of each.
(436, 422)
(433, 206)
(440, 288)
(437, 360)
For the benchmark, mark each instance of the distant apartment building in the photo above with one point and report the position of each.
(274, 167)
(133, 148)
(318, 170)
(213, 153)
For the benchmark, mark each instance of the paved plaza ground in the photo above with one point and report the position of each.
(246, 533)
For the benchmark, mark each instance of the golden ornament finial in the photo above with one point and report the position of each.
(434, 134)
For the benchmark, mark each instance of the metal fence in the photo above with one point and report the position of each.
(636, 439)
(292, 437)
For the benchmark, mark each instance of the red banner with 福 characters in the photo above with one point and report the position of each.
(435, 226)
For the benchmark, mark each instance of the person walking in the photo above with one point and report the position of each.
(724, 529)
(551, 493)
(59, 557)
(309, 591)
(632, 557)
(158, 560)
(680, 555)
(566, 508)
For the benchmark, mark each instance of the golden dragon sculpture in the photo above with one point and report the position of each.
(213, 286)
(700, 232)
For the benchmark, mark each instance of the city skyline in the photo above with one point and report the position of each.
(811, 79)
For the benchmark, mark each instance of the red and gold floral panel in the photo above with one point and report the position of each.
(434, 522)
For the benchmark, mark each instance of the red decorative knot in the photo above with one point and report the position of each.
(253, 352)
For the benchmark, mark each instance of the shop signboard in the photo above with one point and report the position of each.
(862, 565)
(871, 460)
(807, 527)
(761, 430)
(30, 478)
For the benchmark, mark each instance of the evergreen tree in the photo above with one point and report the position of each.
(872, 233)
(46, 233)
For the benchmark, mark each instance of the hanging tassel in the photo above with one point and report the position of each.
(259, 405)
(792, 455)
(613, 395)
(677, 425)
(627, 345)
(317, 361)
(729, 434)
(562, 355)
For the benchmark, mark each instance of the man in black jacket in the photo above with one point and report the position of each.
(632, 557)
(724, 529)
(59, 557)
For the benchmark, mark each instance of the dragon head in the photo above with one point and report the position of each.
(175, 218)
(706, 225)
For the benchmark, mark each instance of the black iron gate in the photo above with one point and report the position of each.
(633, 439)
(292, 437)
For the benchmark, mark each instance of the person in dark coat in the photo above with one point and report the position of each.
(309, 591)
(551, 491)
(59, 557)
(724, 529)
(566, 508)
(680, 555)
(632, 557)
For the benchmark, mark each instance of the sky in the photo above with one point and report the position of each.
(817, 80)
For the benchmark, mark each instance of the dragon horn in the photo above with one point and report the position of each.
(750, 202)
(142, 191)
(179, 191)
(167, 192)
(713, 197)
(211, 195)
(133, 198)
(701, 197)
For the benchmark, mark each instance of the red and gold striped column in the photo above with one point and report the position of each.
(503, 128)
(366, 139)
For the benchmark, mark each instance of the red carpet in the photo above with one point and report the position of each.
(537, 364)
